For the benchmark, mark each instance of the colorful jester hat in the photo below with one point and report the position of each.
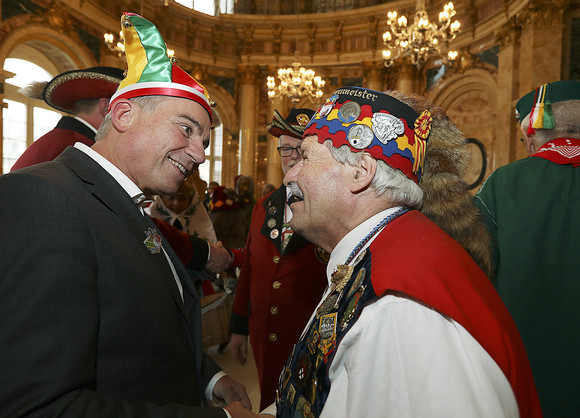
(374, 122)
(150, 71)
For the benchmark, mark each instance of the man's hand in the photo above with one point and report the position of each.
(239, 347)
(236, 410)
(227, 391)
(219, 258)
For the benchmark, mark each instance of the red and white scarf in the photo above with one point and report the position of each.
(561, 151)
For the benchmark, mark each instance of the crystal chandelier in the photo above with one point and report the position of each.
(116, 47)
(295, 81)
(119, 46)
(420, 40)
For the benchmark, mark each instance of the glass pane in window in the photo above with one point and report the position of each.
(14, 132)
(186, 3)
(44, 121)
(226, 6)
(204, 6)
(217, 171)
(218, 140)
(204, 171)
(26, 72)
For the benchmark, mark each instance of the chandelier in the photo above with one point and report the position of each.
(295, 81)
(420, 40)
(118, 47)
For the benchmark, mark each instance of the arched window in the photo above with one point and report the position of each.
(210, 7)
(24, 119)
(211, 170)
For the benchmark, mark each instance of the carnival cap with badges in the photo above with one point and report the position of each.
(374, 122)
(538, 103)
(64, 90)
(293, 125)
(150, 71)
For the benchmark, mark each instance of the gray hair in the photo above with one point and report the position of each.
(146, 103)
(388, 183)
(567, 123)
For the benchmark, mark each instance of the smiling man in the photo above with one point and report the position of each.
(282, 276)
(99, 317)
(409, 325)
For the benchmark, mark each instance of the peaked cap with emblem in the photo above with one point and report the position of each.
(150, 71)
(539, 101)
(293, 125)
(374, 122)
(64, 90)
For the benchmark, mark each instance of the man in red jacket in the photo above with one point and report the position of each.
(84, 94)
(283, 275)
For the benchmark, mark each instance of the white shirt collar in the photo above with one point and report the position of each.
(84, 122)
(125, 182)
(343, 249)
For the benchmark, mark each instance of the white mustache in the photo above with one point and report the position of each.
(295, 192)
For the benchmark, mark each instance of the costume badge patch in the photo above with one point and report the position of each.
(153, 241)
(321, 254)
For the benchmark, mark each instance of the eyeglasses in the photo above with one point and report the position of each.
(288, 151)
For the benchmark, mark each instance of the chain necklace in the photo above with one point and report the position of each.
(374, 231)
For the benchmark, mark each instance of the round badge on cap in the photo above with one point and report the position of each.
(360, 136)
(271, 223)
(302, 119)
(349, 112)
(272, 210)
(274, 233)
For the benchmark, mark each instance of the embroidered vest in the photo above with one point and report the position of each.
(304, 383)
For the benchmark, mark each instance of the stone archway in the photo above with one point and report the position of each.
(470, 102)
(62, 48)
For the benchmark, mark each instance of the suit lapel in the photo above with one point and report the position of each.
(110, 193)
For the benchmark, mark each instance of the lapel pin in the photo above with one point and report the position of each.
(153, 241)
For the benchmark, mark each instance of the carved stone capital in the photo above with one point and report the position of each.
(248, 74)
(509, 34)
(542, 13)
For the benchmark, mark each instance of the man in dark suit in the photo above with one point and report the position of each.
(85, 95)
(98, 316)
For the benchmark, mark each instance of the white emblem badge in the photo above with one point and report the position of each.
(387, 127)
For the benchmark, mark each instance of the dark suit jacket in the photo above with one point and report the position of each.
(91, 322)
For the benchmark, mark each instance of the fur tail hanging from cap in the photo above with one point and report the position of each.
(34, 90)
(447, 200)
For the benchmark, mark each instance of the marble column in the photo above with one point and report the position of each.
(373, 75)
(248, 103)
(504, 146)
(274, 174)
(406, 78)
(541, 45)
(541, 50)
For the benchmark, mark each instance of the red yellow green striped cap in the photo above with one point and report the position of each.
(150, 71)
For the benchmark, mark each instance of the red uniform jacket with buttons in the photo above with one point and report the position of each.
(67, 132)
(277, 291)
